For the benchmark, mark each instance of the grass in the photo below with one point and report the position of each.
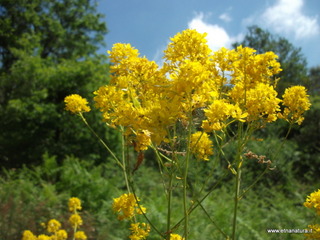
(29, 196)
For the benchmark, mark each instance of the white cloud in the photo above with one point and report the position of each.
(217, 36)
(225, 17)
(286, 17)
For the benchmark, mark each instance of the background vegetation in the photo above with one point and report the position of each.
(47, 51)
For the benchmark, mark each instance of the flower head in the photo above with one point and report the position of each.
(76, 104)
(313, 201)
(62, 235)
(44, 237)
(296, 102)
(53, 226)
(75, 220)
(139, 231)
(201, 145)
(126, 206)
(174, 236)
(189, 44)
(74, 204)
(262, 103)
(28, 235)
(314, 232)
(80, 235)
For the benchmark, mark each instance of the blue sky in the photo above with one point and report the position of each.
(148, 24)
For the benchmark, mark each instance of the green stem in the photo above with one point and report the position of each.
(257, 179)
(102, 142)
(238, 160)
(194, 206)
(213, 222)
(145, 216)
(185, 183)
(236, 202)
(124, 159)
(169, 207)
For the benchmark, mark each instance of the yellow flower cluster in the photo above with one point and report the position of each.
(315, 232)
(74, 204)
(313, 201)
(227, 85)
(217, 114)
(75, 219)
(296, 102)
(174, 236)
(76, 104)
(126, 206)
(54, 226)
(139, 231)
(201, 145)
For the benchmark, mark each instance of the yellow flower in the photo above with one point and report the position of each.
(75, 220)
(315, 232)
(76, 104)
(313, 201)
(201, 145)
(217, 114)
(53, 226)
(74, 204)
(262, 103)
(28, 235)
(143, 140)
(296, 102)
(174, 236)
(80, 235)
(122, 52)
(249, 68)
(43, 237)
(62, 235)
(189, 44)
(126, 206)
(139, 231)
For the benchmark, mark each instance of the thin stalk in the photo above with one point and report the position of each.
(257, 179)
(194, 206)
(145, 216)
(168, 189)
(102, 142)
(169, 207)
(213, 222)
(238, 161)
(282, 143)
(236, 202)
(124, 159)
(185, 183)
(161, 165)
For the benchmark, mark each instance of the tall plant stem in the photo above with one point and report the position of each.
(144, 214)
(124, 163)
(185, 207)
(236, 202)
(185, 182)
(238, 160)
(102, 142)
(169, 207)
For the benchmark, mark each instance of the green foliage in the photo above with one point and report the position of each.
(293, 63)
(63, 29)
(30, 196)
(307, 138)
(314, 75)
(47, 52)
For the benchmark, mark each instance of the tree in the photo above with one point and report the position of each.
(314, 76)
(293, 63)
(47, 51)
